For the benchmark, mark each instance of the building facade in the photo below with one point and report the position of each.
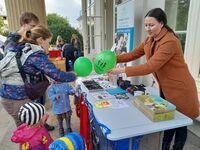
(99, 27)
(16, 8)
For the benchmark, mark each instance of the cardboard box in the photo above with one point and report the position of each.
(59, 63)
(155, 107)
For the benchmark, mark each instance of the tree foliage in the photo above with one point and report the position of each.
(182, 19)
(182, 14)
(60, 26)
(53, 19)
(1, 25)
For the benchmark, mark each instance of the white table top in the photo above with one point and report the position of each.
(130, 122)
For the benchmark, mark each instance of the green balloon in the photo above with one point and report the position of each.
(104, 61)
(83, 66)
(98, 70)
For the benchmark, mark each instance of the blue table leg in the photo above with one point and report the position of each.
(136, 142)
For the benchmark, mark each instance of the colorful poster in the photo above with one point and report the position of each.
(103, 104)
(124, 36)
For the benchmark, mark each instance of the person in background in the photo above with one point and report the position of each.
(32, 133)
(77, 45)
(14, 95)
(166, 61)
(68, 53)
(59, 93)
(59, 42)
(71, 51)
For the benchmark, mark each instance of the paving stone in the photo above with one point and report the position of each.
(7, 126)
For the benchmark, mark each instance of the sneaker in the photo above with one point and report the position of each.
(48, 127)
(69, 130)
(61, 132)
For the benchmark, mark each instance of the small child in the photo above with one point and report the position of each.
(59, 95)
(32, 133)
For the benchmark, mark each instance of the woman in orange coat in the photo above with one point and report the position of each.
(166, 62)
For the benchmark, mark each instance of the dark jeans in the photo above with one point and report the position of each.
(180, 136)
(60, 118)
(12, 107)
(179, 140)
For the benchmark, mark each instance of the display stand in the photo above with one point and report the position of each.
(99, 132)
(123, 128)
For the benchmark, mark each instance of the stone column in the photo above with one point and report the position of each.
(99, 30)
(109, 29)
(171, 8)
(15, 8)
(85, 26)
(192, 46)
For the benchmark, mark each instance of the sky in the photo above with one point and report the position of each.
(69, 9)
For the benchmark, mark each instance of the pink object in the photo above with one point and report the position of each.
(32, 137)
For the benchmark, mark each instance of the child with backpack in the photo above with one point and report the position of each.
(34, 62)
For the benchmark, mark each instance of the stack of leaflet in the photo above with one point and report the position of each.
(105, 84)
(92, 86)
(102, 99)
(119, 93)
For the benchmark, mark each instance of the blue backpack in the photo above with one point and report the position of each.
(9, 71)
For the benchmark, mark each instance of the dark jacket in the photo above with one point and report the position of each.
(69, 55)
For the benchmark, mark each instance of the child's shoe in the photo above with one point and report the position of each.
(69, 130)
(48, 127)
(61, 132)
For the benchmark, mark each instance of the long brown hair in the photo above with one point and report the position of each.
(37, 32)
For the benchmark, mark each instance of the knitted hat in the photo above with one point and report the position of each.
(31, 113)
(72, 140)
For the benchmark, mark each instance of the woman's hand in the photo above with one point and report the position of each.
(116, 71)
(57, 97)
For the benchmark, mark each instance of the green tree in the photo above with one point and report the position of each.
(1, 25)
(182, 19)
(60, 26)
(53, 19)
(182, 14)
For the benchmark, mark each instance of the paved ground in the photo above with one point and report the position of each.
(7, 126)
